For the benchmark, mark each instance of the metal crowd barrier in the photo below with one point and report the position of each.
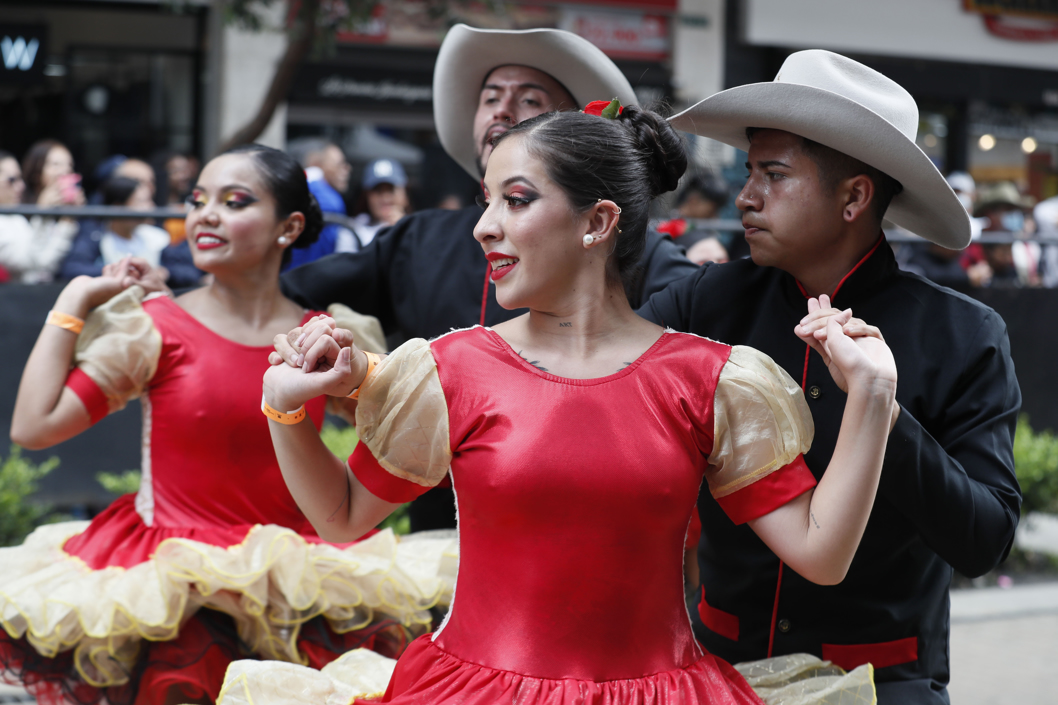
(720, 225)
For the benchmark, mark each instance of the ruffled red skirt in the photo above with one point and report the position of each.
(428, 674)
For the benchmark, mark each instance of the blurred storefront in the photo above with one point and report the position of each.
(984, 72)
(102, 77)
(374, 96)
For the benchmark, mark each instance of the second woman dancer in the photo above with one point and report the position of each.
(211, 560)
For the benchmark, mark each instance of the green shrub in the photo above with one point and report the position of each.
(120, 483)
(18, 480)
(341, 442)
(1036, 464)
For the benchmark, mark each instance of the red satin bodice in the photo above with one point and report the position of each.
(574, 497)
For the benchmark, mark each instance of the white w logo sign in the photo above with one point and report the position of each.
(19, 54)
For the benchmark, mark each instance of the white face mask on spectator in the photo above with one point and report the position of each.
(1014, 221)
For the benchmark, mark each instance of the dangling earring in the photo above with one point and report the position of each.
(282, 240)
(588, 240)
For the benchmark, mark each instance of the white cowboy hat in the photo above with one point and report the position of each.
(468, 55)
(846, 106)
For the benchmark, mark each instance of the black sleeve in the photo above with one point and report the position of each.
(664, 262)
(671, 307)
(360, 280)
(182, 271)
(958, 487)
(83, 257)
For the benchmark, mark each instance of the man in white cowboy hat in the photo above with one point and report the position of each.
(832, 150)
(427, 275)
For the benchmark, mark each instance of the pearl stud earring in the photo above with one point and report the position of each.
(282, 240)
(588, 240)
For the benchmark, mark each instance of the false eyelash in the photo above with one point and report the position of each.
(518, 200)
(480, 200)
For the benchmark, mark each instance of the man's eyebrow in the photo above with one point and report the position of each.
(772, 162)
(521, 86)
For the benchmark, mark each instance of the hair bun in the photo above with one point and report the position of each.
(313, 224)
(662, 147)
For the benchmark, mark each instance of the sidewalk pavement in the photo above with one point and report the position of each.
(1038, 532)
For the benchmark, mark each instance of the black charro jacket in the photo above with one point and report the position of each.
(948, 496)
(426, 275)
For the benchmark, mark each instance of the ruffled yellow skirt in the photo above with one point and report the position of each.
(271, 584)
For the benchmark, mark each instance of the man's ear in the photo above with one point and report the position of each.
(604, 219)
(857, 194)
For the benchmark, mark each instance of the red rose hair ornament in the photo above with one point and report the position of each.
(608, 109)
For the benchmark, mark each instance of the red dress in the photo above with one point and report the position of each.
(574, 498)
(212, 526)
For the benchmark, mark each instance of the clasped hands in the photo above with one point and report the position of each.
(854, 352)
(311, 360)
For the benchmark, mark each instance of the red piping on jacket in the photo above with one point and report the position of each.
(804, 383)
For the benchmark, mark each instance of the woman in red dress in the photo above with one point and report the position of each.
(577, 437)
(112, 608)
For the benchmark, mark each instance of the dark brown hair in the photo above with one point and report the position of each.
(33, 167)
(629, 160)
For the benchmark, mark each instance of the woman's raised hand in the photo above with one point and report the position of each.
(136, 270)
(860, 347)
(319, 339)
(313, 359)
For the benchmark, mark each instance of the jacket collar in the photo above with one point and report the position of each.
(863, 279)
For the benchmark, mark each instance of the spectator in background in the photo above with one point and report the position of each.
(177, 172)
(140, 171)
(951, 268)
(1002, 208)
(123, 237)
(383, 200)
(50, 178)
(30, 250)
(701, 198)
(327, 171)
(1046, 215)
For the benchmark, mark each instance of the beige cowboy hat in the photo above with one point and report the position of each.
(468, 55)
(1001, 193)
(846, 106)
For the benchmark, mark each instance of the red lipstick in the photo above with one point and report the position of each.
(502, 264)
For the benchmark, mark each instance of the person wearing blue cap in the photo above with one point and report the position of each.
(383, 201)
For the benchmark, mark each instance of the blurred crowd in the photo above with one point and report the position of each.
(41, 249)
(994, 208)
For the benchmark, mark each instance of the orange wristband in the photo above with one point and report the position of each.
(65, 321)
(373, 361)
(287, 419)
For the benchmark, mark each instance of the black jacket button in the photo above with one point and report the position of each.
(784, 624)
(815, 392)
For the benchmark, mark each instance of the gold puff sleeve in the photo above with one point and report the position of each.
(761, 422)
(119, 347)
(402, 416)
